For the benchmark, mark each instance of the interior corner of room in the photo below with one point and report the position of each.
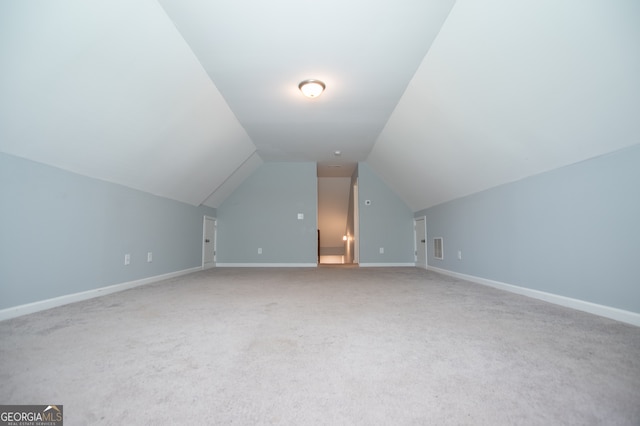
(492, 146)
(450, 158)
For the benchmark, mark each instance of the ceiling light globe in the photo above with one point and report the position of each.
(311, 88)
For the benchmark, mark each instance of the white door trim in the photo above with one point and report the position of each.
(356, 224)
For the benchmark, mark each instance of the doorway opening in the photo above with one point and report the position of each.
(337, 217)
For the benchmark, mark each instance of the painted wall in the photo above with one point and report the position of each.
(263, 213)
(573, 231)
(387, 222)
(63, 233)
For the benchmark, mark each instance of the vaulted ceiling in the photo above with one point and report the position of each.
(443, 98)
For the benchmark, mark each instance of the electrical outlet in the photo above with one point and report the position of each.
(127, 259)
(259, 250)
(459, 255)
(149, 257)
(381, 250)
(300, 216)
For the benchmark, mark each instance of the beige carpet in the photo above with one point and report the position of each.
(325, 346)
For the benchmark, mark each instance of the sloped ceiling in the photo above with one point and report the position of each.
(185, 98)
(512, 89)
(256, 52)
(110, 90)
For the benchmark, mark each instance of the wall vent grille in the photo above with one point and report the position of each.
(438, 248)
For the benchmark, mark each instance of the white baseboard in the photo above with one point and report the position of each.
(42, 305)
(267, 265)
(621, 315)
(375, 265)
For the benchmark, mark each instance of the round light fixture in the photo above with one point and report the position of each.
(311, 88)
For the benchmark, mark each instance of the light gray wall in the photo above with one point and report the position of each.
(387, 222)
(62, 233)
(573, 231)
(262, 213)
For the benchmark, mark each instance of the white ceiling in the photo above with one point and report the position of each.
(110, 90)
(185, 98)
(256, 52)
(512, 89)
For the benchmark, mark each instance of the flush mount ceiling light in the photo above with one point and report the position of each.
(311, 88)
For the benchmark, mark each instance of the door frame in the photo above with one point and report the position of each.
(356, 224)
(204, 237)
(415, 243)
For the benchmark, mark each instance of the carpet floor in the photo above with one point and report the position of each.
(322, 346)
